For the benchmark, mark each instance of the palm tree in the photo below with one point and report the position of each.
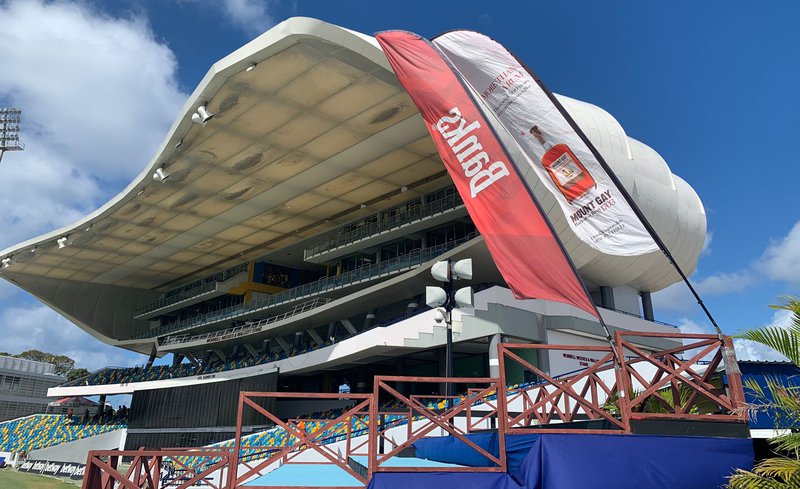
(781, 400)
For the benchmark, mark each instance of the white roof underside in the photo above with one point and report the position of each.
(318, 134)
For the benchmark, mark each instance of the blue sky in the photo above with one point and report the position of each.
(711, 86)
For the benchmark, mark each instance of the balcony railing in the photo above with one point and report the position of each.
(662, 323)
(204, 288)
(245, 329)
(403, 214)
(367, 272)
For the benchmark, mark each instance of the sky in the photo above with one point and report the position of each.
(709, 85)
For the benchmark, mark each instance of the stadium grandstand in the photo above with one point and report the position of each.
(46, 430)
(281, 239)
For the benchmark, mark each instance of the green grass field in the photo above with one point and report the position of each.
(10, 478)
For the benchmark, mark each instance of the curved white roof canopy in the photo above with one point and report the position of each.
(317, 133)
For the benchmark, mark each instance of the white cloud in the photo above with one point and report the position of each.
(745, 349)
(781, 259)
(724, 283)
(252, 16)
(41, 328)
(691, 326)
(707, 244)
(677, 297)
(98, 94)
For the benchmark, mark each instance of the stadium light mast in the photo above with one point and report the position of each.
(10, 120)
(445, 299)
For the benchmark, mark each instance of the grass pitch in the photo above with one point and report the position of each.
(10, 478)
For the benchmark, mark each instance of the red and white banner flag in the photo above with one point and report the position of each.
(563, 161)
(518, 235)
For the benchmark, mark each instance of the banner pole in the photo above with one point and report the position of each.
(478, 105)
(628, 198)
(728, 353)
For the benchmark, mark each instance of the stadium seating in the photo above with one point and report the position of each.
(114, 375)
(46, 430)
(120, 375)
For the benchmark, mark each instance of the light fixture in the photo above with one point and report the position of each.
(10, 120)
(6, 262)
(62, 242)
(445, 299)
(403, 189)
(160, 175)
(435, 296)
(202, 116)
(464, 297)
(251, 67)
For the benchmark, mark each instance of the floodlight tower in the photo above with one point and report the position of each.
(445, 299)
(10, 120)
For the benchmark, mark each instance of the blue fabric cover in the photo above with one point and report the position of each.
(452, 450)
(556, 461)
(437, 480)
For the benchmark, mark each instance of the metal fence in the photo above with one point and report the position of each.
(384, 221)
(361, 274)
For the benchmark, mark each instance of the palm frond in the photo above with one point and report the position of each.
(791, 304)
(782, 401)
(784, 468)
(743, 479)
(788, 443)
(784, 341)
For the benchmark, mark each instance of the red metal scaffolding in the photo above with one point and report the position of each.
(607, 396)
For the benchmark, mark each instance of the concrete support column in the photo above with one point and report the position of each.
(152, 357)
(647, 306)
(220, 354)
(102, 403)
(413, 305)
(348, 326)
(369, 320)
(361, 385)
(400, 369)
(177, 358)
(282, 343)
(607, 297)
(494, 358)
(332, 331)
(192, 360)
(316, 337)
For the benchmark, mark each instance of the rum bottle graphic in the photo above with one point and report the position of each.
(564, 168)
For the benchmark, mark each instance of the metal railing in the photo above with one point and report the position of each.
(84, 378)
(633, 314)
(367, 272)
(193, 292)
(245, 329)
(374, 224)
(608, 397)
(610, 393)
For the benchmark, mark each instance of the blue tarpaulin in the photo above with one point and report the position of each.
(567, 461)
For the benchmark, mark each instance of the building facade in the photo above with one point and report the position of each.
(288, 222)
(24, 385)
